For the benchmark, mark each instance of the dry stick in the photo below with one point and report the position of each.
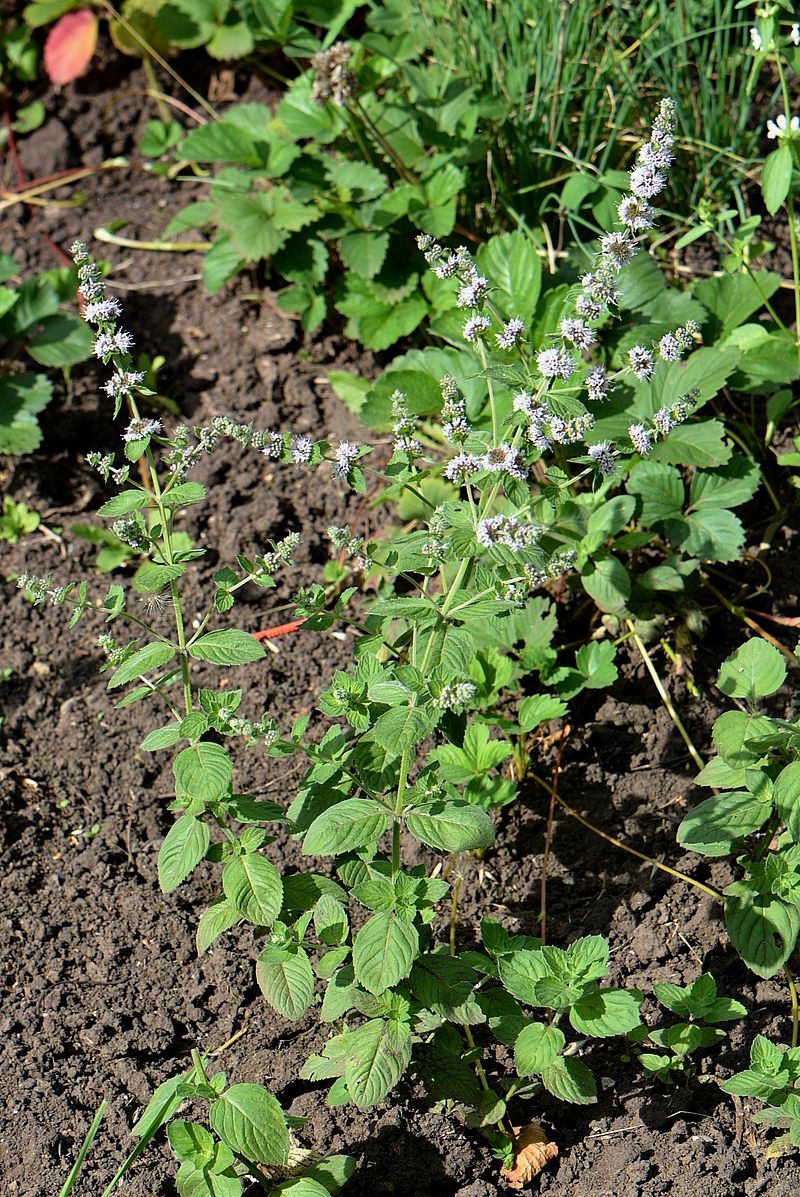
(793, 996)
(751, 623)
(665, 698)
(162, 62)
(548, 838)
(657, 864)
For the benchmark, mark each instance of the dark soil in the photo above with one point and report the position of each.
(105, 995)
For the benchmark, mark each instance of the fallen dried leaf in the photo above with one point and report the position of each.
(532, 1150)
(70, 45)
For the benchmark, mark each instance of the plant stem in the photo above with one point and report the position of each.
(665, 698)
(398, 806)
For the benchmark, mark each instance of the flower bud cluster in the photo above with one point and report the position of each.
(282, 553)
(333, 79)
(405, 427)
(455, 427)
(455, 697)
(507, 531)
(104, 464)
(111, 343)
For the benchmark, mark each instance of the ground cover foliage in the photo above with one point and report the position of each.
(557, 425)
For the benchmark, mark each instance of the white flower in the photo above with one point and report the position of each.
(641, 361)
(554, 363)
(756, 40)
(640, 439)
(617, 249)
(461, 466)
(603, 457)
(794, 35)
(781, 128)
(137, 430)
(302, 447)
(346, 456)
(510, 333)
(107, 343)
(646, 181)
(104, 309)
(504, 459)
(576, 332)
(472, 291)
(636, 213)
(597, 384)
(475, 327)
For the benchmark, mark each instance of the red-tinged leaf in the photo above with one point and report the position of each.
(70, 45)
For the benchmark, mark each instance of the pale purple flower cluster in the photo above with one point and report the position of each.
(455, 427)
(344, 459)
(302, 448)
(506, 530)
(577, 333)
(110, 341)
(137, 430)
(640, 439)
(462, 466)
(106, 344)
(455, 697)
(475, 327)
(598, 384)
(504, 459)
(510, 334)
(604, 457)
(405, 427)
(642, 362)
(555, 363)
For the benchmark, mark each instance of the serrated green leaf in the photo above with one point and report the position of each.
(451, 826)
(763, 930)
(605, 1012)
(249, 1120)
(217, 918)
(536, 1047)
(227, 647)
(184, 846)
(144, 660)
(570, 1080)
(345, 827)
(384, 951)
(253, 886)
(286, 980)
(713, 825)
(124, 503)
(752, 671)
(203, 770)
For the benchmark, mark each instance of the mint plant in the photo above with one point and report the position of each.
(774, 1078)
(754, 816)
(701, 1008)
(408, 754)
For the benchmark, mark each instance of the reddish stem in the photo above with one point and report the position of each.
(280, 630)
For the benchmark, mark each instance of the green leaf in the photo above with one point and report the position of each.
(384, 951)
(478, 754)
(776, 177)
(537, 1047)
(253, 886)
(203, 770)
(228, 647)
(220, 916)
(733, 729)
(400, 728)
(345, 827)
(333, 1172)
(699, 443)
(184, 846)
(220, 264)
(762, 929)
(144, 660)
(221, 141)
(249, 1120)
(714, 534)
(570, 1080)
(124, 503)
(451, 826)
(604, 1012)
(230, 41)
(442, 982)
(260, 222)
(151, 577)
(377, 1058)
(22, 396)
(286, 980)
(661, 491)
(190, 1141)
(752, 671)
(539, 708)
(608, 582)
(183, 494)
(364, 252)
(514, 269)
(162, 737)
(713, 826)
(62, 340)
(786, 796)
